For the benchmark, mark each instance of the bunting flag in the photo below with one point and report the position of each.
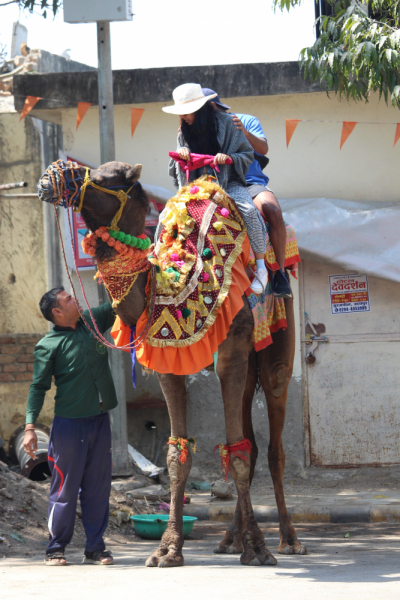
(347, 129)
(291, 125)
(83, 107)
(136, 115)
(29, 104)
(397, 134)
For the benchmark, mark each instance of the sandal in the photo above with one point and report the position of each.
(55, 559)
(101, 557)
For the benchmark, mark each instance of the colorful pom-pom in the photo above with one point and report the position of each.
(207, 253)
(206, 277)
(127, 238)
(201, 297)
(194, 189)
(179, 314)
(225, 212)
(185, 313)
(158, 269)
(111, 242)
(217, 225)
(174, 256)
(175, 233)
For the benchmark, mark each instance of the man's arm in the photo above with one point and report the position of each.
(259, 144)
(103, 315)
(41, 383)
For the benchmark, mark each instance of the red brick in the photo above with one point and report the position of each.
(23, 377)
(25, 358)
(6, 359)
(6, 339)
(29, 349)
(30, 339)
(6, 377)
(16, 368)
(11, 349)
(30, 367)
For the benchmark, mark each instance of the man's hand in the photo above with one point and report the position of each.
(220, 159)
(184, 154)
(238, 123)
(30, 443)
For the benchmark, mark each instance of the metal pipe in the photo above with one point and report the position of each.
(12, 186)
(26, 196)
(32, 469)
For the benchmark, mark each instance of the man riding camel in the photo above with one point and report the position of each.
(264, 198)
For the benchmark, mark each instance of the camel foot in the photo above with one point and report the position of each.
(255, 551)
(230, 545)
(292, 547)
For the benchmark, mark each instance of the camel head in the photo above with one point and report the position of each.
(98, 207)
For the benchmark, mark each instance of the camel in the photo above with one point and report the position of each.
(238, 368)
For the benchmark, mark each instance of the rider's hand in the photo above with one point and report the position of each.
(238, 123)
(220, 159)
(30, 443)
(184, 154)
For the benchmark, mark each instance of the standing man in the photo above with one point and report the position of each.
(262, 196)
(79, 452)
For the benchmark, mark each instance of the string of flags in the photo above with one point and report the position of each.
(291, 124)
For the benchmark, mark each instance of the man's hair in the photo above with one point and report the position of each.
(49, 301)
(201, 137)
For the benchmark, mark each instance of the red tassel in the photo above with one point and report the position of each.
(237, 449)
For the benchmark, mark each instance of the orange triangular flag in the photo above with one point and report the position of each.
(83, 107)
(347, 129)
(397, 134)
(29, 104)
(136, 115)
(291, 125)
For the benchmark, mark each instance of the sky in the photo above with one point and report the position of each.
(176, 33)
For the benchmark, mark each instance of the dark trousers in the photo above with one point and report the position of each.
(80, 463)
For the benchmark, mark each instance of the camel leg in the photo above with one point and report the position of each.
(232, 370)
(275, 367)
(232, 540)
(169, 552)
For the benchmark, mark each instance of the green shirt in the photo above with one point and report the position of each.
(80, 367)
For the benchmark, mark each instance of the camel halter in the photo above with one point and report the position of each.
(121, 195)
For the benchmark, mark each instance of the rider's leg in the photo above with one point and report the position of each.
(256, 231)
(268, 206)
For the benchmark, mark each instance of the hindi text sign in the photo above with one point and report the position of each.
(349, 294)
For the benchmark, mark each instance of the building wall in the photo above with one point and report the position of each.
(22, 257)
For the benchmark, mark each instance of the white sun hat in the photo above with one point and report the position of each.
(188, 98)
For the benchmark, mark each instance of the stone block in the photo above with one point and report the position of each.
(6, 359)
(23, 377)
(5, 339)
(25, 358)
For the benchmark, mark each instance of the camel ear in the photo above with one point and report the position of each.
(133, 174)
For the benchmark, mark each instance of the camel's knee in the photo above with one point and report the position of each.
(279, 379)
(240, 469)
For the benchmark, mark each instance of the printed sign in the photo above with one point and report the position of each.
(349, 294)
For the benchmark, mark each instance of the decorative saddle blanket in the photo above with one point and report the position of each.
(201, 238)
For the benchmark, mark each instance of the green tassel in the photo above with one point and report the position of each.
(207, 253)
(185, 313)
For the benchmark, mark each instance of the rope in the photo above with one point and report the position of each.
(137, 341)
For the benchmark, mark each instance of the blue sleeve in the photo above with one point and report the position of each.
(252, 125)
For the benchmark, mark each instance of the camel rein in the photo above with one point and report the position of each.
(122, 197)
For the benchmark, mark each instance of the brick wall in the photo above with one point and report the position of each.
(16, 356)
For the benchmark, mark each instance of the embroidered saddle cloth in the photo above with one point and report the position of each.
(202, 236)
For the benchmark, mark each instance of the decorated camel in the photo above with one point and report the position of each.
(182, 304)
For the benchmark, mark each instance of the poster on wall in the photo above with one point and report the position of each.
(349, 294)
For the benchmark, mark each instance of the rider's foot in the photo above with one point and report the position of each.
(281, 285)
(260, 281)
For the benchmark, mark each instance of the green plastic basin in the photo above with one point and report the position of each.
(152, 527)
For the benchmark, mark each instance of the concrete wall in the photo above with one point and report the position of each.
(22, 256)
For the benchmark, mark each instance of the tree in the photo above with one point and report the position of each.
(358, 49)
(31, 5)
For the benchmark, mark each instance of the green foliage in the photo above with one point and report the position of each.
(42, 5)
(356, 54)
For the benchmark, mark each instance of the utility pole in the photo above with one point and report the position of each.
(102, 12)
